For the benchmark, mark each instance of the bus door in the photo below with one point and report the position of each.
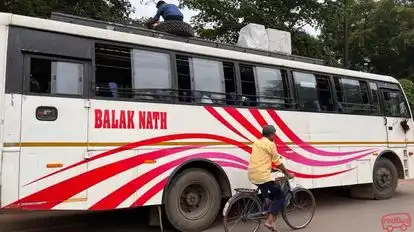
(395, 113)
(54, 122)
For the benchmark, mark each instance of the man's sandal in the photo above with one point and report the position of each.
(270, 227)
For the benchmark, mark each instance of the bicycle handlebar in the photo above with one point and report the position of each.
(278, 170)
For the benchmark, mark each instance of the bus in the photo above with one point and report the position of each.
(100, 116)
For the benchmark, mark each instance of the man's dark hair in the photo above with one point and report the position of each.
(268, 130)
(160, 3)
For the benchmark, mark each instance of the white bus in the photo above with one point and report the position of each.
(102, 118)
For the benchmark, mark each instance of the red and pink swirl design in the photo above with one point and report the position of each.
(70, 187)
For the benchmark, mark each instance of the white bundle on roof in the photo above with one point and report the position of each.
(256, 36)
(253, 36)
(279, 41)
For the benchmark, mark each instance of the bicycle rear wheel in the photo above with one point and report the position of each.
(301, 200)
(242, 213)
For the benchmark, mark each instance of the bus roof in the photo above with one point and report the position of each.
(107, 34)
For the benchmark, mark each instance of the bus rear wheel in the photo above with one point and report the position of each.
(385, 179)
(193, 200)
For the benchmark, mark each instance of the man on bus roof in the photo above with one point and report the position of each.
(168, 12)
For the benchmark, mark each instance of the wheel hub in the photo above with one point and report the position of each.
(192, 198)
(384, 177)
(194, 201)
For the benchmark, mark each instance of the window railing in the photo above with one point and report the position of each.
(196, 97)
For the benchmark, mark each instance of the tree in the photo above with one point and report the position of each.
(381, 39)
(138, 22)
(408, 87)
(109, 10)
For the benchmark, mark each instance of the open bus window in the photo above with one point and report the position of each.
(151, 75)
(184, 78)
(208, 81)
(55, 77)
(325, 96)
(113, 71)
(230, 83)
(248, 85)
(272, 87)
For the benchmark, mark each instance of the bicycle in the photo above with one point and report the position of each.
(260, 205)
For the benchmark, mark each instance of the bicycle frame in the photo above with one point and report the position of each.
(261, 215)
(261, 203)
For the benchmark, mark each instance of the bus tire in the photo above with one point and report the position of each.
(385, 179)
(193, 200)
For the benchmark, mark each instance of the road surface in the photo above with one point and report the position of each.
(335, 212)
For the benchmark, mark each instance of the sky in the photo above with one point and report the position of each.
(149, 11)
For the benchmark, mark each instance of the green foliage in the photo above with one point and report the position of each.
(109, 10)
(408, 87)
(381, 39)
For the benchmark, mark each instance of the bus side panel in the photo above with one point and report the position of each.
(408, 160)
(298, 122)
(142, 184)
(3, 44)
(404, 148)
(10, 178)
(10, 130)
(11, 152)
(409, 170)
(344, 133)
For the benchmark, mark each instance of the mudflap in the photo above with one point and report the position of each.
(362, 191)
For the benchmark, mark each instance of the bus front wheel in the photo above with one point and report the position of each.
(193, 200)
(385, 179)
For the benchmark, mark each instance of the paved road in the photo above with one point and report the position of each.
(335, 212)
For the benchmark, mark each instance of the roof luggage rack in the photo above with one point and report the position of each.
(137, 29)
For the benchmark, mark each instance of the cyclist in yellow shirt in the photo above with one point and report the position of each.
(264, 153)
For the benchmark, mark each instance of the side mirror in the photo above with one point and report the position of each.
(404, 125)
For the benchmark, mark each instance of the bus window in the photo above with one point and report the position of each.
(395, 104)
(151, 75)
(325, 97)
(55, 77)
(306, 91)
(271, 84)
(230, 83)
(184, 78)
(314, 92)
(375, 107)
(113, 71)
(248, 85)
(352, 95)
(208, 81)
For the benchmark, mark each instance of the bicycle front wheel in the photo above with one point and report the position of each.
(242, 212)
(298, 212)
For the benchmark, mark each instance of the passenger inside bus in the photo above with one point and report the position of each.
(206, 99)
(113, 71)
(113, 88)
